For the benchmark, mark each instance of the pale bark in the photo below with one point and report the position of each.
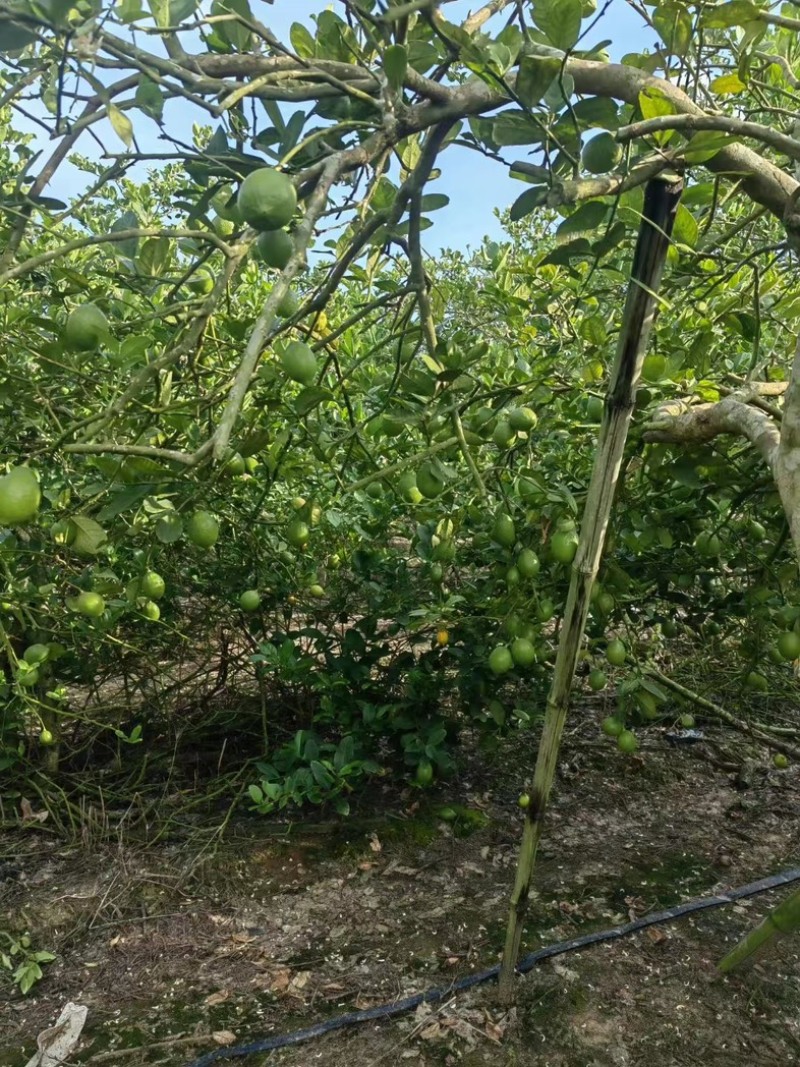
(777, 441)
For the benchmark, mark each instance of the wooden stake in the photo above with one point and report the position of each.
(660, 206)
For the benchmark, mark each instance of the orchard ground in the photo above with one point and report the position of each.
(201, 939)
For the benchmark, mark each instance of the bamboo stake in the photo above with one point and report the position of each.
(660, 205)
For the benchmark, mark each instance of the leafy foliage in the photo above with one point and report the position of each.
(403, 433)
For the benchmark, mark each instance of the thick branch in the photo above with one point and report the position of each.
(691, 424)
(474, 22)
(724, 123)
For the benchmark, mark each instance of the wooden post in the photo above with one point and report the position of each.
(660, 206)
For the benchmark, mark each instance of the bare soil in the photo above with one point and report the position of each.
(203, 942)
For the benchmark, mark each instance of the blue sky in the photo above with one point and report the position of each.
(476, 186)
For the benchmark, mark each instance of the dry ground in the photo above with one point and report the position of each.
(176, 950)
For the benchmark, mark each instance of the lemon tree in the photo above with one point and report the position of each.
(241, 398)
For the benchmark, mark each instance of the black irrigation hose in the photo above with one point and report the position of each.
(527, 963)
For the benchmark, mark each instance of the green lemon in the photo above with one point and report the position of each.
(564, 545)
(46, 737)
(424, 773)
(20, 496)
(523, 652)
(445, 551)
(654, 367)
(407, 487)
(528, 563)
(500, 660)
(289, 303)
(86, 328)
(429, 482)
(522, 419)
(90, 604)
(611, 726)
(152, 585)
(201, 282)
(545, 610)
(202, 529)
(503, 434)
(299, 362)
(626, 742)
(789, 645)
(594, 408)
(707, 544)
(297, 533)
(235, 466)
(151, 610)
(780, 761)
(616, 652)
(34, 654)
(267, 199)
(503, 531)
(274, 248)
(597, 679)
(605, 603)
(757, 682)
(601, 154)
(250, 600)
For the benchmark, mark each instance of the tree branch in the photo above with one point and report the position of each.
(681, 422)
(725, 123)
(260, 332)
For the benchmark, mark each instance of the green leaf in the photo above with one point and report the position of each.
(653, 103)
(322, 776)
(595, 111)
(434, 201)
(233, 32)
(181, 9)
(727, 85)
(129, 11)
(310, 398)
(589, 216)
(674, 25)
(123, 501)
(735, 13)
(561, 91)
(128, 247)
(89, 535)
(160, 11)
(564, 254)
(685, 230)
(527, 202)
(593, 330)
(302, 41)
(121, 124)
(153, 256)
(395, 65)
(534, 78)
(609, 241)
(169, 528)
(149, 98)
(559, 21)
(705, 145)
(515, 127)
